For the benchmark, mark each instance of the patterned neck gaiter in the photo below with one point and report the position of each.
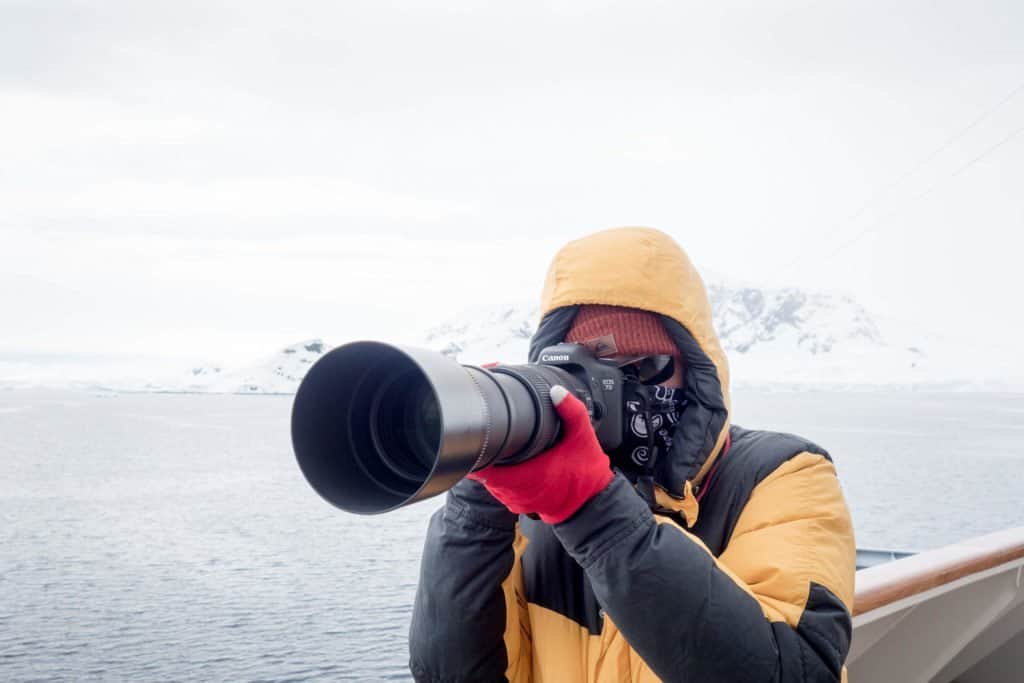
(651, 416)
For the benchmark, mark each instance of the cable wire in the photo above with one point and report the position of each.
(874, 224)
(913, 170)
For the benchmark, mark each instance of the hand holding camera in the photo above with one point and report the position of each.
(556, 483)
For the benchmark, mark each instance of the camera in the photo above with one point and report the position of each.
(376, 426)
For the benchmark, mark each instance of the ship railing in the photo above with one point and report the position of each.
(951, 614)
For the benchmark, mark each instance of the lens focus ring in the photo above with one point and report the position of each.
(547, 418)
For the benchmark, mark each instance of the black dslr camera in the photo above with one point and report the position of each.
(377, 426)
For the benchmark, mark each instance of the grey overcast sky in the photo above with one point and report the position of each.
(223, 178)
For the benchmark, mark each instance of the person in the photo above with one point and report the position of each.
(716, 554)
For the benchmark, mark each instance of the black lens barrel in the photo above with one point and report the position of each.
(542, 420)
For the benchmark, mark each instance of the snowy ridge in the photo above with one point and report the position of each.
(774, 337)
(281, 373)
(747, 319)
(794, 337)
(500, 333)
(781, 338)
(757, 323)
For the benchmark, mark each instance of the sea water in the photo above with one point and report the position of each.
(172, 537)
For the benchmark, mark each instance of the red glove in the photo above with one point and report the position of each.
(556, 483)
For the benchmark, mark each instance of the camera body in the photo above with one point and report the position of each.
(604, 395)
(377, 426)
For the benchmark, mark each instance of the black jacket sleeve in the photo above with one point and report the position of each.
(687, 616)
(459, 616)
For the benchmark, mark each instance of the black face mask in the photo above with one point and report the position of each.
(651, 416)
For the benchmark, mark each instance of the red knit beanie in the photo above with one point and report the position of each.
(617, 331)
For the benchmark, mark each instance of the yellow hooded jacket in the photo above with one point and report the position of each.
(753, 583)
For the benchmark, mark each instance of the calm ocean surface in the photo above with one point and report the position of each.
(172, 537)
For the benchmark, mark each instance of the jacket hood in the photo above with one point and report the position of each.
(644, 268)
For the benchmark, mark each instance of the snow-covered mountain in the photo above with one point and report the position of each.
(782, 337)
(277, 374)
(482, 335)
(748, 319)
(778, 337)
(792, 336)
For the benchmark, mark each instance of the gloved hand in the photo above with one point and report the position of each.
(556, 483)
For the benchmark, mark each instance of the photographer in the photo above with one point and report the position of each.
(696, 551)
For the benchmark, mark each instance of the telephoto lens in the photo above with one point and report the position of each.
(376, 426)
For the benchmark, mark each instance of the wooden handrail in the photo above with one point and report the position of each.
(886, 583)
